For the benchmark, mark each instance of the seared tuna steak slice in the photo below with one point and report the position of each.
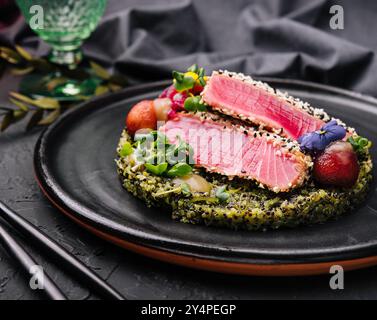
(222, 147)
(242, 97)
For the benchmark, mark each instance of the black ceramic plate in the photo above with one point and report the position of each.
(74, 163)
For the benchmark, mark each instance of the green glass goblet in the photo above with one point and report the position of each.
(64, 25)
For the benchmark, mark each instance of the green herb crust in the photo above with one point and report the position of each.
(248, 206)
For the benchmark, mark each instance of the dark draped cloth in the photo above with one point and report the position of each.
(146, 39)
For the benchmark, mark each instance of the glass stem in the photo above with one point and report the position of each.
(70, 59)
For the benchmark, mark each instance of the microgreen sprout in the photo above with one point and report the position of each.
(185, 188)
(188, 80)
(160, 157)
(126, 149)
(194, 104)
(179, 170)
(359, 144)
(157, 169)
(222, 194)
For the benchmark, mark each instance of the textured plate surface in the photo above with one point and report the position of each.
(74, 163)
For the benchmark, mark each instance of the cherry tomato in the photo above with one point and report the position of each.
(141, 116)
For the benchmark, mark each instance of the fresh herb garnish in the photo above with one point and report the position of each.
(183, 81)
(194, 104)
(179, 170)
(185, 91)
(185, 189)
(161, 157)
(126, 149)
(200, 73)
(359, 144)
(188, 80)
(222, 194)
(158, 169)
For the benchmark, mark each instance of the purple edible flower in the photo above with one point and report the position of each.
(318, 140)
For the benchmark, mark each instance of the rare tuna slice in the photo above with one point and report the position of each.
(242, 97)
(222, 147)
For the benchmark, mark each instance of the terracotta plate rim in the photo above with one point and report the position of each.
(220, 266)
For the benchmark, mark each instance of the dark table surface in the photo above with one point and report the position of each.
(135, 276)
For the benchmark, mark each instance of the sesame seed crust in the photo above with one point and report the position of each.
(318, 113)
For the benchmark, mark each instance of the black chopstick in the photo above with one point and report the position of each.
(53, 249)
(27, 262)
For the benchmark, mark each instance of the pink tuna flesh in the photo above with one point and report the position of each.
(227, 150)
(244, 100)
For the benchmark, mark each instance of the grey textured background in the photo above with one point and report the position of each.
(146, 39)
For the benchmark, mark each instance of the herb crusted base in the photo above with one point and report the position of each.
(248, 207)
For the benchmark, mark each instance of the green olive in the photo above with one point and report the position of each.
(196, 183)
